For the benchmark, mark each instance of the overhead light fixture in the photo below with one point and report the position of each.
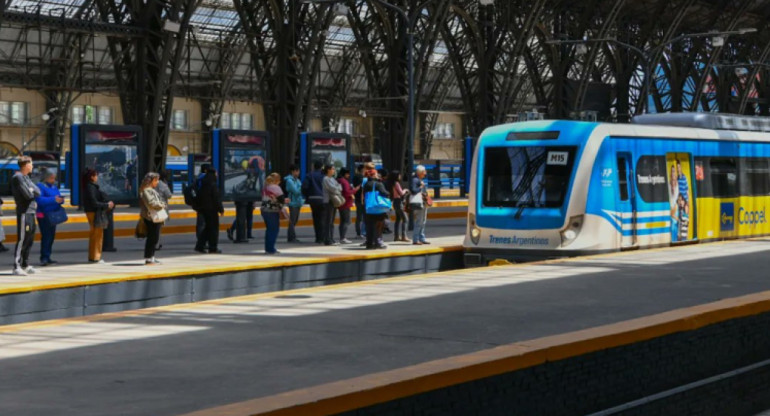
(486, 2)
(362, 113)
(717, 41)
(173, 27)
(581, 49)
(341, 9)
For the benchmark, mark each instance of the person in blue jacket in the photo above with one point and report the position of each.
(294, 193)
(50, 200)
(312, 190)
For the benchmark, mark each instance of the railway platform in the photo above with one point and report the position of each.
(630, 333)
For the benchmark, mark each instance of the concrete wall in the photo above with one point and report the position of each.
(623, 379)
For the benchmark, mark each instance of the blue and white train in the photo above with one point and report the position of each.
(546, 189)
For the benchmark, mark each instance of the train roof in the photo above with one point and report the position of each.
(655, 130)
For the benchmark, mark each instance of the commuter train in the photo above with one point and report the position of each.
(548, 189)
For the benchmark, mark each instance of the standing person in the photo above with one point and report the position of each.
(294, 191)
(348, 192)
(49, 201)
(2, 230)
(209, 205)
(312, 190)
(199, 220)
(95, 205)
(383, 175)
(272, 204)
(374, 222)
(393, 185)
(331, 190)
(150, 202)
(418, 203)
(165, 195)
(24, 194)
(358, 178)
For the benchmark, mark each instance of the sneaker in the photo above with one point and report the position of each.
(381, 246)
(156, 261)
(96, 261)
(51, 261)
(426, 242)
(149, 262)
(200, 250)
(215, 251)
(230, 234)
(30, 270)
(19, 272)
(359, 237)
(345, 241)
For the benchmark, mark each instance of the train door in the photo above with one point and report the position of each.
(679, 168)
(626, 203)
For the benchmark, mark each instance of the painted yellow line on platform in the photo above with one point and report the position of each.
(373, 389)
(178, 214)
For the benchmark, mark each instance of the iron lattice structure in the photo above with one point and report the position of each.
(303, 60)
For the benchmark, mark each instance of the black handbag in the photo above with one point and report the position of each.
(101, 219)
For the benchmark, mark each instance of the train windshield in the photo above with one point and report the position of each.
(536, 177)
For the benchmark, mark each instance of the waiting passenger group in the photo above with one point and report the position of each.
(327, 191)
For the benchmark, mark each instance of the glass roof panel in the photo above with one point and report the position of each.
(66, 8)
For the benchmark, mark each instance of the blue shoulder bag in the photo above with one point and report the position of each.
(376, 203)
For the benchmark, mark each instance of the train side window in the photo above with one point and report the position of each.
(724, 177)
(756, 177)
(623, 177)
(651, 179)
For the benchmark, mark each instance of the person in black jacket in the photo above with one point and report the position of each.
(358, 179)
(375, 223)
(95, 204)
(24, 193)
(209, 205)
(312, 190)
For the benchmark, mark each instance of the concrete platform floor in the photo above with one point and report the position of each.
(174, 360)
(177, 256)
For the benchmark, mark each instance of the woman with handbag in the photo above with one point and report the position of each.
(50, 213)
(348, 192)
(332, 199)
(272, 210)
(96, 205)
(398, 193)
(153, 213)
(377, 208)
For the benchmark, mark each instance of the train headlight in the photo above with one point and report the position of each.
(569, 234)
(475, 231)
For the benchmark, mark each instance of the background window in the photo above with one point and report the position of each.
(5, 112)
(756, 180)
(247, 121)
(104, 115)
(179, 120)
(224, 121)
(78, 114)
(89, 114)
(651, 179)
(18, 112)
(235, 121)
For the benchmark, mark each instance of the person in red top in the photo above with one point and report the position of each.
(348, 192)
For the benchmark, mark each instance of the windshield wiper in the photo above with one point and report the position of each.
(521, 205)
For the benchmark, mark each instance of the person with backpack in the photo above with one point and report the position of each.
(375, 220)
(209, 203)
(294, 193)
(165, 195)
(312, 190)
(419, 203)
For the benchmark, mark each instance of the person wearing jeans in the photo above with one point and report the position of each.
(50, 200)
(357, 182)
(150, 201)
(272, 204)
(419, 210)
(294, 191)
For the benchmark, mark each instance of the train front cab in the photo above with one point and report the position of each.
(528, 190)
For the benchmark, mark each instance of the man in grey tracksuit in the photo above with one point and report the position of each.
(24, 193)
